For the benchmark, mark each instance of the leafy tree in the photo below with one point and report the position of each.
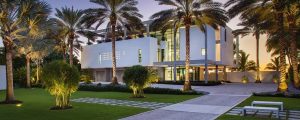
(187, 13)
(61, 80)
(137, 78)
(118, 13)
(274, 65)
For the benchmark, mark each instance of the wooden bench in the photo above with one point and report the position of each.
(280, 104)
(255, 108)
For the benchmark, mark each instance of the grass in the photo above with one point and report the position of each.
(288, 104)
(37, 103)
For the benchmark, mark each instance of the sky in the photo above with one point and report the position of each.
(149, 7)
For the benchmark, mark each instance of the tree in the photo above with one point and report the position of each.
(70, 19)
(274, 65)
(2, 56)
(61, 80)
(272, 10)
(137, 78)
(189, 12)
(37, 22)
(12, 14)
(118, 13)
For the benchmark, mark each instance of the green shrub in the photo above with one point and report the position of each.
(137, 78)
(61, 80)
(245, 79)
(20, 76)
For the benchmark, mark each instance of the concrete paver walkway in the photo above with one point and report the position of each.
(220, 100)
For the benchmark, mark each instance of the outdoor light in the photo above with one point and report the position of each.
(19, 105)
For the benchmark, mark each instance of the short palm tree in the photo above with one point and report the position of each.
(274, 65)
(274, 9)
(191, 12)
(118, 13)
(70, 19)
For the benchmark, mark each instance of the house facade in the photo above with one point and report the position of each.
(162, 52)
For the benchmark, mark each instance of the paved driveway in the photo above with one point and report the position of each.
(221, 99)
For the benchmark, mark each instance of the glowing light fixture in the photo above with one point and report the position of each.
(19, 105)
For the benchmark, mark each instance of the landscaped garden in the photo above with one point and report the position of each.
(289, 104)
(37, 102)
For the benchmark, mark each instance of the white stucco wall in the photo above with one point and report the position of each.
(126, 52)
(2, 77)
(197, 42)
(227, 56)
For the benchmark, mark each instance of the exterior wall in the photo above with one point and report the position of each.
(227, 57)
(126, 53)
(266, 76)
(2, 77)
(197, 42)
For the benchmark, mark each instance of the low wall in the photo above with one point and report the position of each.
(2, 77)
(265, 76)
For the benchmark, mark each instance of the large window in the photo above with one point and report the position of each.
(203, 51)
(140, 55)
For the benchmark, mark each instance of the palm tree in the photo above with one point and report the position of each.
(274, 65)
(189, 12)
(273, 9)
(118, 13)
(36, 21)
(70, 19)
(12, 14)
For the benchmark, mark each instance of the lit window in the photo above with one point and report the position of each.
(202, 51)
(140, 55)
(100, 58)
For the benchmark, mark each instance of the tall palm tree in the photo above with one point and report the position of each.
(36, 21)
(118, 13)
(71, 20)
(252, 25)
(12, 14)
(274, 9)
(191, 12)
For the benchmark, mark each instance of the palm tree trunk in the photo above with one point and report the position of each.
(293, 55)
(187, 84)
(37, 71)
(10, 97)
(114, 64)
(257, 59)
(282, 87)
(71, 49)
(28, 71)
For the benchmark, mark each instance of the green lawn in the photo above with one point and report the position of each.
(289, 104)
(37, 103)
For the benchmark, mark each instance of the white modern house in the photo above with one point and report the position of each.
(2, 77)
(163, 52)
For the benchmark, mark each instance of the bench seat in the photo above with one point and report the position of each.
(268, 103)
(272, 109)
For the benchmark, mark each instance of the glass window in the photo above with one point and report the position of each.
(140, 55)
(100, 58)
(203, 51)
(162, 55)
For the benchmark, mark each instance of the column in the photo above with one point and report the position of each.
(217, 73)
(225, 73)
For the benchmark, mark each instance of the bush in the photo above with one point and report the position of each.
(20, 76)
(86, 77)
(122, 88)
(278, 94)
(61, 80)
(137, 78)
(193, 83)
(245, 79)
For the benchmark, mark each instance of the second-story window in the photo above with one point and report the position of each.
(203, 51)
(140, 55)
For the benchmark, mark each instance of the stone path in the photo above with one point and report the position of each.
(149, 105)
(207, 107)
(283, 115)
(221, 99)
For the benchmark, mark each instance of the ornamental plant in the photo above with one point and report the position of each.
(137, 78)
(61, 80)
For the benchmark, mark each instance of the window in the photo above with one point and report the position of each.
(203, 51)
(162, 54)
(140, 55)
(100, 58)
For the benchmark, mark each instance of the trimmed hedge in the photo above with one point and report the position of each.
(193, 83)
(277, 94)
(122, 88)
